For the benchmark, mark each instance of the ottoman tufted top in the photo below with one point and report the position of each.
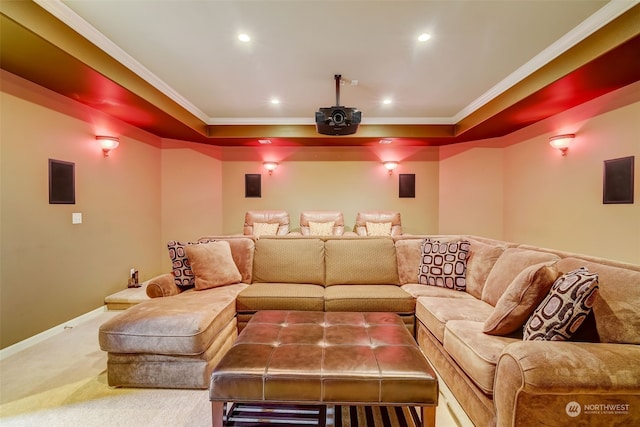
(346, 357)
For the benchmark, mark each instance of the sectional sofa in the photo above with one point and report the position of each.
(466, 299)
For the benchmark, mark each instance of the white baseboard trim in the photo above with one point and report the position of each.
(19, 346)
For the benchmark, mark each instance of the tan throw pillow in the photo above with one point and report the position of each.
(321, 228)
(265, 229)
(378, 228)
(521, 298)
(212, 265)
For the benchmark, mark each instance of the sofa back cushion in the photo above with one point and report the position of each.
(361, 261)
(408, 254)
(508, 266)
(289, 260)
(482, 258)
(616, 307)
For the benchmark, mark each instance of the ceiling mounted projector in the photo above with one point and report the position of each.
(338, 120)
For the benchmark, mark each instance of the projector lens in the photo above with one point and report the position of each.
(338, 117)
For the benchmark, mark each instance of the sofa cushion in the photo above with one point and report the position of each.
(521, 298)
(444, 264)
(242, 248)
(565, 307)
(434, 312)
(408, 254)
(364, 298)
(281, 296)
(417, 290)
(184, 324)
(289, 260)
(321, 228)
(360, 261)
(474, 351)
(212, 265)
(482, 258)
(507, 267)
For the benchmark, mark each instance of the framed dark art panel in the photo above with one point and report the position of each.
(252, 185)
(62, 182)
(407, 185)
(617, 180)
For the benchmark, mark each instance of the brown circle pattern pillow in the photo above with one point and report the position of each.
(444, 264)
(564, 309)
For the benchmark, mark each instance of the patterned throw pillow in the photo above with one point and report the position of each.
(378, 228)
(564, 309)
(444, 264)
(265, 229)
(182, 273)
(321, 228)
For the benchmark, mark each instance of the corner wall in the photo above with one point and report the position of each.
(50, 270)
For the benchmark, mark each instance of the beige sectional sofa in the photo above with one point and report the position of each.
(175, 339)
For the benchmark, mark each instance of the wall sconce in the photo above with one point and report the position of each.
(270, 166)
(108, 143)
(562, 142)
(390, 166)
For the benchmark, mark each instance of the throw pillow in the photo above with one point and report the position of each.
(564, 309)
(523, 295)
(265, 229)
(182, 273)
(321, 228)
(212, 264)
(378, 228)
(444, 264)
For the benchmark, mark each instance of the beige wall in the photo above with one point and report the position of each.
(52, 271)
(471, 190)
(349, 179)
(517, 188)
(556, 201)
(191, 188)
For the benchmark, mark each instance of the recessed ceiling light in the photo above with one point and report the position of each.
(264, 141)
(385, 141)
(386, 101)
(424, 37)
(244, 38)
(275, 101)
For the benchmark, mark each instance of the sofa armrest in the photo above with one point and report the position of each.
(547, 383)
(162, 286)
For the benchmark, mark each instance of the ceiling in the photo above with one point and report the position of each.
(178, 70)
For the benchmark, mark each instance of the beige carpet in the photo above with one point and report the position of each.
(62, 382)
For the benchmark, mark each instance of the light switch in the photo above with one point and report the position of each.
(76, 218)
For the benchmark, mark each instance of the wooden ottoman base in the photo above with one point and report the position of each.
(343, 358)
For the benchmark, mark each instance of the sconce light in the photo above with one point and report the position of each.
(108, 143)
(390, 166)
(561, 142)
(270, 166)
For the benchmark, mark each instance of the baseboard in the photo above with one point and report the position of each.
(19, 346)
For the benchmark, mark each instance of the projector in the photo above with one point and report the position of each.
(338, 120)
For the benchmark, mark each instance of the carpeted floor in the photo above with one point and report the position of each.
(62, 382)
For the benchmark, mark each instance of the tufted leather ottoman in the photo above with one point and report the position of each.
(325, 358)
